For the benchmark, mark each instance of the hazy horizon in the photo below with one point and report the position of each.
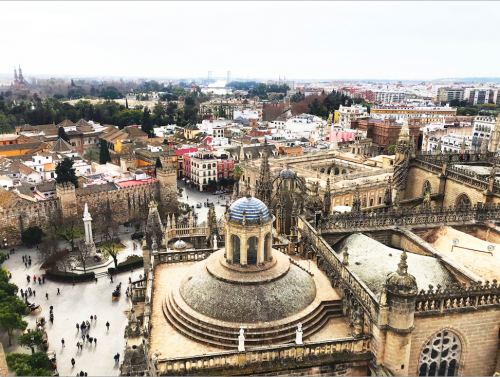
(410, 41)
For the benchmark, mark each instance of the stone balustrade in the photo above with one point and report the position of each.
(340, 275)
(409, 217)
(261, 358)
(459, 297)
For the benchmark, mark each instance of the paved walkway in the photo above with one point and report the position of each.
(76, 304)
(196, 196)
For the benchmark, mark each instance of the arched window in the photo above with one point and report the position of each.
(344, 171)
(463, 201)
(322, 170)
(252, 251)
(236, 249)
(266, 247)
(337, 171)
(426, 187)
(441, 356)
(329, 170)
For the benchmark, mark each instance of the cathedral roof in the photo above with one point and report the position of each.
(287, 174)
(252, 208)
(247, 303)
(374, 263)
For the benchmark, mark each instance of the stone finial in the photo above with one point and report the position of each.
(345, 261)
(402, 265)
(154, 245)
(244, 217)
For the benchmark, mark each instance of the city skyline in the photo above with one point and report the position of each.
(375, 41)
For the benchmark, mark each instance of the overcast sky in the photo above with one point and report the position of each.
(299, 40)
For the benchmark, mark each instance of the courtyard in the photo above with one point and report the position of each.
(74, 304)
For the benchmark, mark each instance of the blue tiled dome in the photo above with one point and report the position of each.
(252, 206)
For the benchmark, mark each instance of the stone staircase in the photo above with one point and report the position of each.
(225, 336)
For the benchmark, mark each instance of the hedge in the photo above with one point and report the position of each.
(127, 265)
(69, 277)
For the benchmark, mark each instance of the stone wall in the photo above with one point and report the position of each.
(478, 332)
(14, 221)
(417, 177)
(125, 204)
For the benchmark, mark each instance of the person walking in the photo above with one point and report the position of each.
(58, 292)
(26, 264)
(34, 279)
(95, 318)
(34, 294)
(47, 295)
(91, 318)
(62, 341)
(52, 320)
(77, 327)
(73, 362)
(28, 278)
(95, 341)
(83, 338)
(91, 340)
(39, 280)
(88, 325)
(22, 294)
(87, 336)
(29, 262)
(78, 346)
(43, 279)
(23, 255)
(107, 325)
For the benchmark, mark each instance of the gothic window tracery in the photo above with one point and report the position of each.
(463, 201)
(441, 355)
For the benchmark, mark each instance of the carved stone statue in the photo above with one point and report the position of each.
(241, 340)
(298, 334)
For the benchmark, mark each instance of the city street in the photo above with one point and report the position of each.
(195, 196)
(74, 305)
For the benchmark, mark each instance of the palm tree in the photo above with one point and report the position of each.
(237, 172)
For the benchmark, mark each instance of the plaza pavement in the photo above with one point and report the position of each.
(76, 304)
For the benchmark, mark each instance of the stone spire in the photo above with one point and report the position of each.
(388, 193)
(242, 153)
(327, 199)
(356, 201)
(438, 148)
(484, 145)
(495, 136)
(462, 147)
(21, 78)
(402, 160)
(264, 188)
(16, 78)
(404, 134)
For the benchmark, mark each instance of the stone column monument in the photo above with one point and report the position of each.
(87, 221)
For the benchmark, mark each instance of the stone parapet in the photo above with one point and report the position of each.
(270, 358)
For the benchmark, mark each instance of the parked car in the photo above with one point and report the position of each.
(199, 205)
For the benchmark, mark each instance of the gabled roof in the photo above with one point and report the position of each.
(83, 122)
(46, 186)
(61, 146)
(66, 123)
(8, 199)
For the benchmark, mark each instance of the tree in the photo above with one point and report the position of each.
(237, 172)
(104, 155)
(212, 183)
(65, 172)
(61, 132)
(109, 231)
(146, 121)
(10, 321)
(270, 113)
(158, 164)
(32, 236)
(31, 340)
(23, 364)
(391, 149)
(126, 103)
(91, 154)
(81, 254)
(71, 233)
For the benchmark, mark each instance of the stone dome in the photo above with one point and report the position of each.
(247, 303)
(287, 174)
(139, 171)
(401, 282)
(179, 245)
(252, 207)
